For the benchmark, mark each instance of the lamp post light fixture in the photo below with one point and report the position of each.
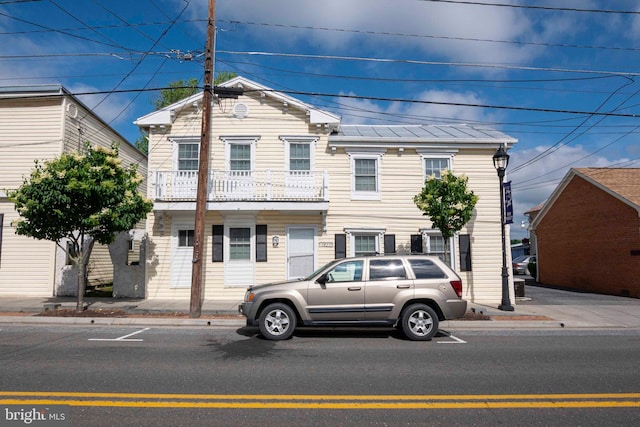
(500, 162)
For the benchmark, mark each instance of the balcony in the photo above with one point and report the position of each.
(257, 189)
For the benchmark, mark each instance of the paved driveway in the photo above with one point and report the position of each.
(541, 295)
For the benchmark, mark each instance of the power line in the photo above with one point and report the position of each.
(422, 62)
(428, 36)
(547, 8)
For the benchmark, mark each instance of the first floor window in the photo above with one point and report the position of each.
(365, 245)
(240, 243)
(435, 245)
(185, 238)
(431, 243)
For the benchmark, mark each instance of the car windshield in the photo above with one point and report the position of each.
(521, 258)
(324, 267)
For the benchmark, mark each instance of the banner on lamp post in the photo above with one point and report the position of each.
(508, 203)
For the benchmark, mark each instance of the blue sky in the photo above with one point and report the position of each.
(561, 76)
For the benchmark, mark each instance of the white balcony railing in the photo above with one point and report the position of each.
(257, 185)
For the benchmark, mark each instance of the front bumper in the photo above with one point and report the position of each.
(246, 310)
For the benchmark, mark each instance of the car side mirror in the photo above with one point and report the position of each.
(322, 280)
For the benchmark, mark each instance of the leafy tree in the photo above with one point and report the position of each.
(177, 91)
(448, 204)
(80, 199)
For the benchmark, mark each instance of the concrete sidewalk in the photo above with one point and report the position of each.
(542, 308)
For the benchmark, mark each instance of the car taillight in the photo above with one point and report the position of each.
(457, 286)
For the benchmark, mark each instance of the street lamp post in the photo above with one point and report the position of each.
(500, 162)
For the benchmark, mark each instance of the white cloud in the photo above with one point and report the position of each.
(367, 111)
(439, 27)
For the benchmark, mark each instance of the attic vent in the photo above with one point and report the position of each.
(72, 110)
(240, 110)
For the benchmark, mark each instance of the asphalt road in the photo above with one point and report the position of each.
(133, 376)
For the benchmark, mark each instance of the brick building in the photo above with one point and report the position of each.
(588, 232)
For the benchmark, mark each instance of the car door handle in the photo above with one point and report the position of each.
(355, 289)
(403, 286)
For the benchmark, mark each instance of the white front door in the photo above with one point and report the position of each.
(182, 235)
(301, 244)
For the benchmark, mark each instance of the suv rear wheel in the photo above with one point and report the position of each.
(419, 322)
(277, 321)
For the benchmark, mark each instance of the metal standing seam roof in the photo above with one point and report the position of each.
(422, 133)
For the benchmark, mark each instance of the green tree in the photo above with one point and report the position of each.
(77, 199)
(177, 91)
(448, 204)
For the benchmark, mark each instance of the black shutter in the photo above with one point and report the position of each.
(416, 243)
(389, 243)
(261, 243)
(341, 246)
(218, 243)
(465, 252)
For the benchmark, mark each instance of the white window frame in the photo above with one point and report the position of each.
(239, 140)
(378, 233)
(427, 233)
(227, 240)
(425, 155)
(288, 140)
(360, 154)
(177, 141)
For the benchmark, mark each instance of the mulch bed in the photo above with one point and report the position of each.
(69, 312)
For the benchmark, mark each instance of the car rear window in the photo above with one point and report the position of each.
(426, 269)
(386, 269)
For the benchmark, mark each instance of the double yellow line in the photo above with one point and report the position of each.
(243, 401)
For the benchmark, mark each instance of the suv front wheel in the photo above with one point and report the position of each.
(277, 321)
(419, 322)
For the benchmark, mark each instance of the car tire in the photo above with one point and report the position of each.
(277, 322)
(419, 322)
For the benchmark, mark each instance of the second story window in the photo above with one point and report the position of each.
(300, 157)
(240, 157)
(188, 156)
(365, 175)
(435, 166)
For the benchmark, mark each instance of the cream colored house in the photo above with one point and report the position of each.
(291, 188)
(40, 123)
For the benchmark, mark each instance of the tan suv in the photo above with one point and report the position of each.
(412, 292)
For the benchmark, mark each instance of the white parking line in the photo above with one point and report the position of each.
(122, 338)
(456, 340)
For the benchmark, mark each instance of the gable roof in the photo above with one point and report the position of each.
(624, 182)
(621, 183)
(166, 115)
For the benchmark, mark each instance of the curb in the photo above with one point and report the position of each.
(122, 321)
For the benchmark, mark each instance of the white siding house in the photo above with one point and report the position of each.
(40, 123)
(291, 188)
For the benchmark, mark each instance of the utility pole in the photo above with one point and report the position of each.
(195, 308)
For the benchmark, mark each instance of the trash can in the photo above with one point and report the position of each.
(518, 287)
